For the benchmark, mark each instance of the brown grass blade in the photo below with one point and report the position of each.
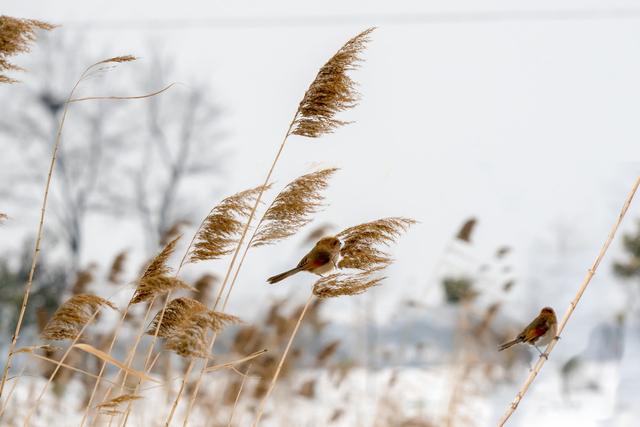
(331, 92)
(236, 362)
(68, 320)
(109, 359)
(111, 404)
(293, 207)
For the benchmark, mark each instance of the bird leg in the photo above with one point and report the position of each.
(545, 355)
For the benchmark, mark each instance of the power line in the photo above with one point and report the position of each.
(363, 19)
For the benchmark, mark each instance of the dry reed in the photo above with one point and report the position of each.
(16, 36)
(331, 92)
(563, 322)
(67, 322)
(117, 268)
(221, 228)
(39, 234)
(292, 208)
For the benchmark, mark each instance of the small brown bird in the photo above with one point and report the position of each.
(539, 332)
(321, 259)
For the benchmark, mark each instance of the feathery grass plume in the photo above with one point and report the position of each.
(220, 230)
(185, 324)
(158, 265)
(358, 249)
(68, 320)
(339, 284)
(293, 207)
(117, 267)
(119, 59)
(112, 404)
(3, 217)
(16, 36)
(157, 285)
(331, 92)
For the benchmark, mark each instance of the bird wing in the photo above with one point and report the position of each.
(537, 328)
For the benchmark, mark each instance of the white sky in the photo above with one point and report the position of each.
(528, 124)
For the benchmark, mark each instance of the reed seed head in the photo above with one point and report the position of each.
(293, 207)
(222, 227)
(70, 318)
(331, 92)
(16, 36)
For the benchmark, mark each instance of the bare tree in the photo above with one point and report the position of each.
(180, 140)
(83, 180)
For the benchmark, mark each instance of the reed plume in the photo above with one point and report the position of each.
(340, 284)
(185, 324)
(3, 217)
(221, 228)
(465, 232)
(16, 36)
(292, 208)
(158, 265)
(359, 249)
(70, 317)
(331, 92)
(154, 286)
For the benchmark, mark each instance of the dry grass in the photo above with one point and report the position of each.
(221, 229)
(16, 36)
(67, 322)
(331, 92)
(293, 208)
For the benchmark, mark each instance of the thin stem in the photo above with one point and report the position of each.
(104, 365)
(572, 306)
(233, 260)
(148, 95)
(235, 403)
(57, 368)
(282, 359)
(39, 233)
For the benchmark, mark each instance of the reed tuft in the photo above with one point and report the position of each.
(153, 286)
(331, 92)
(16, 36)
(359, 243)
(185, 324)
(158, 265)
(3, 217)
(68, 320)
(292, 208)
(339, 284)
(220, 230)
(119, 59)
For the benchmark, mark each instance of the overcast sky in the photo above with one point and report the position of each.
(527, 120)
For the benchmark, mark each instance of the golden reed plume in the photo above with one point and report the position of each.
(70, 317)
(220, 230)
(292, 208)
(331, 92)
(16, 36)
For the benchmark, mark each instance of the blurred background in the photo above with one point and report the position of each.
(507, 130)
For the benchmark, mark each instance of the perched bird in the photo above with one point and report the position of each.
(321, 259)
(539, 332)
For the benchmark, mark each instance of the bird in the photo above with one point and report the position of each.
(539, 332)
(321, 259)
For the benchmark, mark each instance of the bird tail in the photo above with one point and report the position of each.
(509, 344)
(278, 277)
